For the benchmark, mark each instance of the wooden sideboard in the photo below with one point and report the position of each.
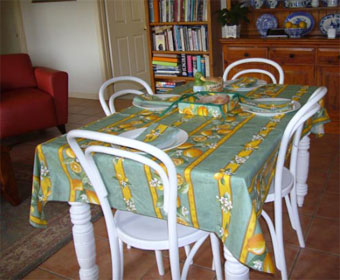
(310, 61)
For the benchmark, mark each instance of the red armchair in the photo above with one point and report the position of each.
(31, 98)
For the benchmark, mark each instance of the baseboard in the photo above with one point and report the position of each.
(84, 95)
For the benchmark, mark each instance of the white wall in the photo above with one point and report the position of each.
(65, 35)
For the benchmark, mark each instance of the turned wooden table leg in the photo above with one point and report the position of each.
(302, 170)
(84, 241)
(9, 187)
(234, 270)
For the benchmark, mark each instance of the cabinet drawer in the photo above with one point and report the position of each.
(293, 55)
(328, 56)
(235, 53)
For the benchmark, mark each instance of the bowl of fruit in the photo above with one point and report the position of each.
(295, 30)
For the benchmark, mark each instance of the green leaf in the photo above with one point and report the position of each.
(160, 201)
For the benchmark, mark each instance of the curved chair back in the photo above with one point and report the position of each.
(293, 129)
(109, 108)
(253, 70)
(168, 177)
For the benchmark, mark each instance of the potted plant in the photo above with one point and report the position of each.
(231, 19)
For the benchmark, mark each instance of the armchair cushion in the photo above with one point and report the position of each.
(16, 72)
(17, 118)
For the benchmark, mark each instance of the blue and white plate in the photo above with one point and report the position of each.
(257, 4)
(328, 21)
(265, 22)
(296, 17)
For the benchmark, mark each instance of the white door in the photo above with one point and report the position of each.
(127, 36)
(12, 38)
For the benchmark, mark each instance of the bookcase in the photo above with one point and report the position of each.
(182, 39)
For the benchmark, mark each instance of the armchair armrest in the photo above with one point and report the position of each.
(55, 83)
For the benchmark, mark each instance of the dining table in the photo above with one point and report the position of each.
(224, 171)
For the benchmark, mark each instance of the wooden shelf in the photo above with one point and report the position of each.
(174, 78)
(282, 9)
(180, 23)
(180, 52)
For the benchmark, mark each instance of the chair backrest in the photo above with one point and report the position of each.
(293, 129)
(16, 72)
(253, 70)
(109, 108)
(168, 177)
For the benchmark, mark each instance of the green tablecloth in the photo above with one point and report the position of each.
(224, 172)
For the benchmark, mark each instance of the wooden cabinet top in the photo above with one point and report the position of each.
(283, 42)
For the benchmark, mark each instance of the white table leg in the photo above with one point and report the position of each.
(234, 270)
(302, 170)
(83, 238)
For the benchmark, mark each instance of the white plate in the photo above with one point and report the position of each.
(178, 139)
(259, 83)
(156, 107)
(296, 106)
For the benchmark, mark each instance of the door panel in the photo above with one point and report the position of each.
(126, 25)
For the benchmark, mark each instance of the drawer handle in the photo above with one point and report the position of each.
(246, 54)
(292, 55)
(338, 56)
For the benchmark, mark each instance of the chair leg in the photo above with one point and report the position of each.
(62, 128)
(159, 261)
(215, 247)
(9, 187)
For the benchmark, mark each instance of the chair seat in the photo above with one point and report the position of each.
(287, 185)
(150, 233)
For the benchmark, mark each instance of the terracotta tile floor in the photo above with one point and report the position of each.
(319, 216)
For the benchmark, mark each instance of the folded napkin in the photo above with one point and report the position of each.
(244, 82)
(159, 135)
(154, 100)
(269, 105)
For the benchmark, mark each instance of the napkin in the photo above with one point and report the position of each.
(244, 82)
(154, 100)
(159, 135)
(270, 106)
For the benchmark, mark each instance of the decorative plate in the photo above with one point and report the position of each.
(265, 22)
(271, 3)
(257, 4)
(330, 20)
(296, 17)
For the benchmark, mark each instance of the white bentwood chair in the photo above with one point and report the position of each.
(109, 107)
(284, 182)
(254, 70)
(139, 231)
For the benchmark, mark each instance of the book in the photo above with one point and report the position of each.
(160, 42)
(207, 65)
(155, 10)
(163, 58)
(203, 66)
(184, 65)
(151, 11)
(169, 55)
(194, 64)
(164, 63)
(189, 65)
(199, 65)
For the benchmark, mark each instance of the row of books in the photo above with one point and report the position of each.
(182, 65)
(166, 86)
(180, 38)
(177, 10)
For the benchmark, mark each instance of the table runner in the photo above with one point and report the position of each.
(224, 171)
